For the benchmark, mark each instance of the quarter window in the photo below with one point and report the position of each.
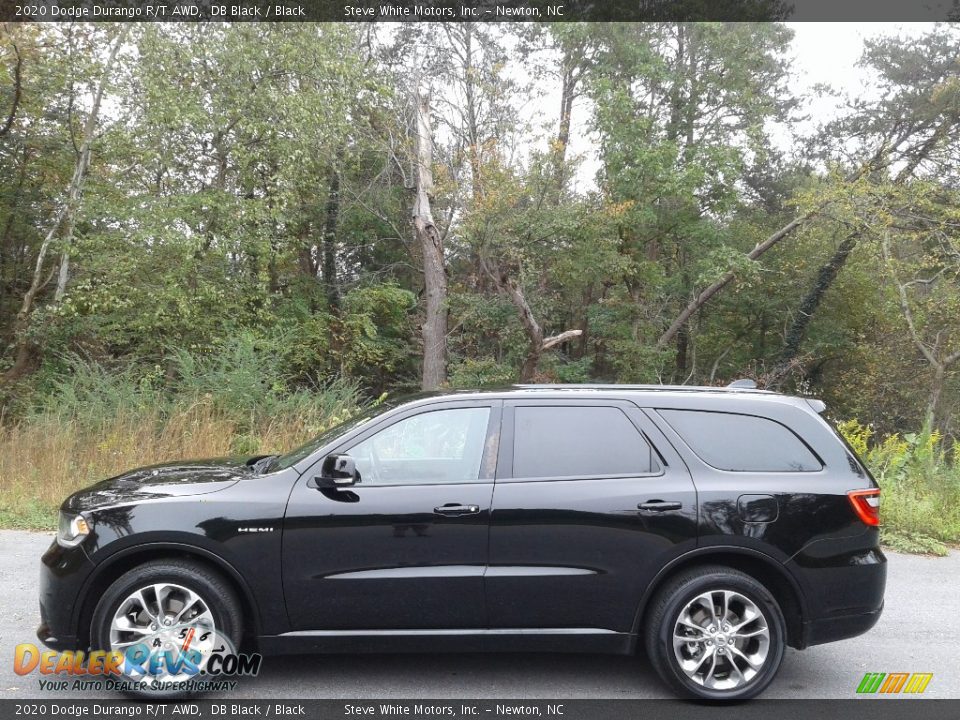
(742, 443)
(553, 441)
(441, 446)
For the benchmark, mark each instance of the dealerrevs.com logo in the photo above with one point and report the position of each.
(203, 661)
(894, 683)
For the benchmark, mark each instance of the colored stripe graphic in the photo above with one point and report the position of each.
(918, 682)
(893, 683)
(870, 683)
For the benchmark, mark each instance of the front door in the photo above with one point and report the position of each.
(406, 547)
(590, 502)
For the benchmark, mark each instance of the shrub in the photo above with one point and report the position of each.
(90, 422)
(921, 486)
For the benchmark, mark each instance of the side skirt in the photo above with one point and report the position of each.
(585, 640)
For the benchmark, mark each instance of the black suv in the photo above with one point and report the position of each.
(711, 526)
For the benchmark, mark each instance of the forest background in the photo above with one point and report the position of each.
(223, 239)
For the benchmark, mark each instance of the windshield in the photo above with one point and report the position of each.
(282, 462)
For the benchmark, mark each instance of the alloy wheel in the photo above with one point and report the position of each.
(167, 620)
(721, 640)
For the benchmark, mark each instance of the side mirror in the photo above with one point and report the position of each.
(338, 471)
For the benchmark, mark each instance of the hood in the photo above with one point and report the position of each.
(174, 479)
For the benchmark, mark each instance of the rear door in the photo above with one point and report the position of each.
(590, 501)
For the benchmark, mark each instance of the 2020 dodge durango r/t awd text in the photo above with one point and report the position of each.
(709, 527)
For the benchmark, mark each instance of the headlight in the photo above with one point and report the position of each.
(71, 530)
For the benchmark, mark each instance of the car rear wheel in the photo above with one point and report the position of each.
(167, 618)
(715, 633)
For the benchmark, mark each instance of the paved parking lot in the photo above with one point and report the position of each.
(918, 632)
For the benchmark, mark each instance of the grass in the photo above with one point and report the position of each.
(44, 460)
(86, 422)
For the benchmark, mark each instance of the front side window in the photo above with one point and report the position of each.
(554, 441)
(440, 446)
(742, 443)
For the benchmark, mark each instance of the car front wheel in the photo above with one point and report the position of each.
(167, 618)
(715, 633)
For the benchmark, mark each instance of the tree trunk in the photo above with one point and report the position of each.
(680, 362)
(567, 94)
(939, 364)
(17, 91)
(64, 218)
(704, 296)
(5, 238)
(329, 254)
(936, 391)
(537, 343)
(64, 275)
(431, 247)
(811, 301)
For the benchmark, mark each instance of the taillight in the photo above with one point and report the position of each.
(866, 504)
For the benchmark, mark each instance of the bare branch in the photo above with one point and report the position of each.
(555, 340)
(704, 296)
(905, 304)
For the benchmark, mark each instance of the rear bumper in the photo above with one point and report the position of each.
(824, 630)
(844, 594)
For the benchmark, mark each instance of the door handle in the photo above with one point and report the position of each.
(455, 510)
(660, 505)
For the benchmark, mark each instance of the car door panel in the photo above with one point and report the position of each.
(392, 556)
(579, 552)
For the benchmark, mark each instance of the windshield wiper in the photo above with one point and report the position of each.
(260, 465)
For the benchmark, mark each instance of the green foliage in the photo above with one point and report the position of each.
(32, 514)
(481, 372)
(920, 478)
(570, 371)
(243, 380)
(375, 334)
(242, 253)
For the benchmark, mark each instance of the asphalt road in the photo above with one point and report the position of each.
(918, 632)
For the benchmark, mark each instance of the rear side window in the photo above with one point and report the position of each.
(742, 443)
(578, 442)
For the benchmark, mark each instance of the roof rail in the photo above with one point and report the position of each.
(645, 388)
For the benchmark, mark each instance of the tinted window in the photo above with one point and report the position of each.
(442, 446)
(744, 443)
(295, 456)
(578, 442)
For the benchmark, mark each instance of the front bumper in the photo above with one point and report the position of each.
(63, 572)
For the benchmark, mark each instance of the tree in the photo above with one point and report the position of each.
(431, 247)
(61, 225)
(910, 128)
(916, 240)
(681, 110)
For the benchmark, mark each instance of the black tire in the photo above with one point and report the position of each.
(212, 587)
(666, 607)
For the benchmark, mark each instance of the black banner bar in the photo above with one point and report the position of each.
(477, 10)
(229, 709)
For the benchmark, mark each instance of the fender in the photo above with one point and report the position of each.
(103, 565)
(704, 553)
